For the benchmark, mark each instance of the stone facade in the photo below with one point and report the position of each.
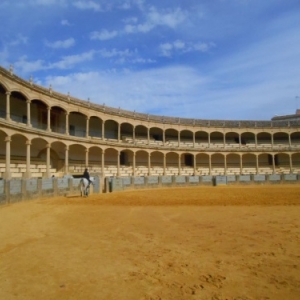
(45, 133)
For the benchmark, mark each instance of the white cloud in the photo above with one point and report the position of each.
(103, 35)
(114, 52)
(84, 5)
(169, 18)
(61, 44)
(178, 46)
(19, 40)
(28, 67)
(65, 23)
(71, 60)
(47, 2)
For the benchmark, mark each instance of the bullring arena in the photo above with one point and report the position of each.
(197, 241)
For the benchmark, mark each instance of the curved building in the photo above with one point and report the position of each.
(45, 133)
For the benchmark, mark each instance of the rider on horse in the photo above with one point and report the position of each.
(86, 175)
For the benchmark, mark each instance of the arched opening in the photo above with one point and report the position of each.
(216, 139)
(156, 136)
(77, 124)
(2, 101)
(201, 139)
(186, 138)
(282, 163)
(248, 163)
(172, 163)
(18, 107)
(248, 139)
(95, 127)
(141, 163)
(233, 164)
(171, 136)
(202, 164)
(281, 138)
(58, 119)
(111, 130)
(95, 159)
(127, 132)
(39, 114)
(217, 164)
(110, 162)
(77, 157)
(157, 163)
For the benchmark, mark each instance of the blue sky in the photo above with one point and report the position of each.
(207, 59)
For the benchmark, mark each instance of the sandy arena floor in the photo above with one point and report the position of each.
(183, 243)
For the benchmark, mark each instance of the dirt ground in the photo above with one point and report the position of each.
(230, 242)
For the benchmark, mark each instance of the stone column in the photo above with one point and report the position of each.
(28, 113)
(86, 158)
(28, 173)
(224, 139)
(48, 118)
(87, 127)
(194, 139)
(149, 164)
(148, 136)
(133, 163)
(273, 163)
(290, 141)
(67, 123)
(272, 140)
(103, 130)
(164, 164)
(209, 139)
(225, 164)
(118, 164)
(67, 160)
(119, 132)
(102, 163)
(257, 164)
(7, 158)
(48, 147)
(8, 106)
(179, 164)
(164, 138)
(178, 138)
(240, 140)
(133, 134)
(241, 163)
(255, 140)
(195, 163)
(209, 162)
(291, 163)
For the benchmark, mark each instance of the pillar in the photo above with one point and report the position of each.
(241, 164)
(87, 127)
(257, 164)
(28, 173)
(164, 164)
(149, 164)
(209, 162)
(195, 163)
(148, 136)
(66, 160)
(48, 161)
(178, 138)
(194, 139)
(208, 139)
(86, 158)
(103, 130)
(7, 158)
(28, 113)
(119, 132)
(273, 162)
(225, 164)
(133, 164)
(118, 163)
(48, 118)
(179, 164)
(290, 141)
(67, 123)
(102, 163)
(255, 140)
(164, 138)
(291, 163)
(133, 134)
(272, 140)
(8, 106)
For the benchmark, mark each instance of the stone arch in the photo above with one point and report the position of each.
(58, 119)
(218, 164)
(281, 138)
(39, 114)
(77, 157)
(216, 138)
(111, 129)
(248, 163)
(18, 107)
(77, 124)
(95, 127)
(172, 163)
(202, 164)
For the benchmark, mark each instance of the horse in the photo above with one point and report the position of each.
(84, 186)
